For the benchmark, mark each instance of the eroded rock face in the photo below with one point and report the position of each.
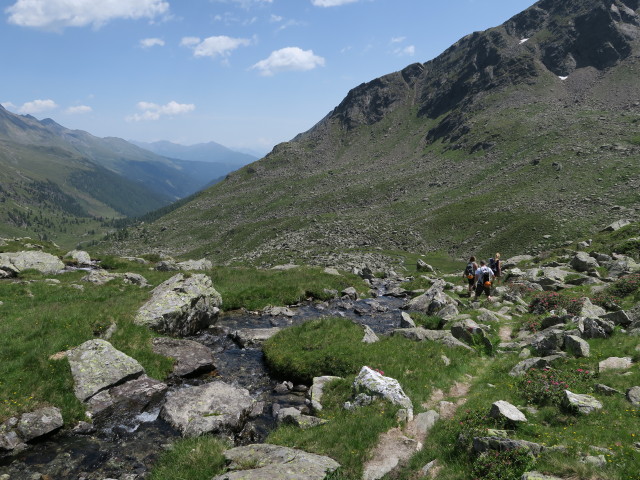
(96, 365)
(181, 306)
(13, 263)
(191, 357)
(216, 407)
(273, 462)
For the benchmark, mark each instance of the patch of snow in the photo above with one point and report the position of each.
(523, 40)
(562, 78)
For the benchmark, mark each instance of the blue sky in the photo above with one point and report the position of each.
(244, 73)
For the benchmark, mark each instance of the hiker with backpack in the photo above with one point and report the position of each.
(484, 277)
(470, 274)
(495, 264)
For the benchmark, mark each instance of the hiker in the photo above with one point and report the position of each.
(470, 274)
(495, 264)
(484, 276)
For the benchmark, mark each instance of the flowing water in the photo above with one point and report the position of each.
(127, 449)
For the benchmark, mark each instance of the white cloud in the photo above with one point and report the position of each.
(214, 46)
(408, 51)
(275, 18)
(37, 106)
(246, 3)
(79, 109)
(289, 59)
(151, 42)
(58, 14)
(8, 105)
(331, 3)
(398, 39)
(153, 111)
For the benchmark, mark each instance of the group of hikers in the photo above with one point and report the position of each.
(481, 277)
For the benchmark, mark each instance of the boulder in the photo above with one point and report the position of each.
(548, 342)
(293, 416)
(96, 365)
(370, 381)
(191, 358)
(277, 311)
(369, 335)
(181, 306)
(615, 363)
(251, 337)
(101, 277)
(618, 318)
(633, 395)
(595, 328)
(505, 411)
(590, 310)
(317, 390)
(14, 262)
(584, 404)
(38, 423)
(422, 266)
(617, 225)
(440, 336)
(576, 346)
(215, 407)
(406, 321)
(583, 262)
(432, 301)
(534, 362)
(271, 462)
(622, 265)
(351, 293)
(80, 257)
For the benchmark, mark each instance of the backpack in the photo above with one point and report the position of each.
(492, 264)
(468, 272)
(486, 279)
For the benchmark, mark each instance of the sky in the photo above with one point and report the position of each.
(247, 74)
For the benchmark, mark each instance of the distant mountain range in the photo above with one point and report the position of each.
(521, 136)
(57, 175)
(210, 152)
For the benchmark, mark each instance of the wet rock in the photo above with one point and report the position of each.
(39, 422)
(584, 404)
(633, 395)
(215, 407)
(615, 363)
(392, 448)
(369, 335)
(274, 462)
(576, 346)
(370, 381)
(317, 390)
(506, 411)
(251, 337)
(14, 262)
(96, 365)
(191, 358)
(180, 306)
(277, 311)
(406, 321)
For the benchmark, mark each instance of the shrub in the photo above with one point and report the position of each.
(507, 465)
(546, 386)
(544, 302)
(625, 285)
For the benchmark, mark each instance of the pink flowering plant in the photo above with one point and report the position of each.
(544, 302)
(546, 386)
(625, 285)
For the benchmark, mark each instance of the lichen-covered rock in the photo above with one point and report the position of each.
(585, 404)
(504, 410)
(590, 310)
(96, 365)
(534, 362)
(432, 301)
(369, 335)
(181, 306)
(583, 262)
(215, 407)
(273, 462)
(14, 262)
(79, 256)
(39, 422)
(202, 264)
(191, 357)
(576, 346)
(388, 388)
(615, 363)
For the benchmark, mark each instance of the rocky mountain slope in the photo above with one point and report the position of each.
(516, 137)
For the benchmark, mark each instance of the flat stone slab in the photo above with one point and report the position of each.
(216, 407)
(191, 357)
(250, 337)
(96, 365)
(273, 462)
(505, 410)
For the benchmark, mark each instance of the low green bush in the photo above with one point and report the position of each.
(507, 465)
(546, 386)
(625, 285)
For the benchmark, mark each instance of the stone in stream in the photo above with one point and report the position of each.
(215, 407)
(96, 365)
(180, 306)
(39, 422)
(251, 337)
(273, 462)
(191, 357)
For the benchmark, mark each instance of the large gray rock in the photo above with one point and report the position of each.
(618, 318)
(14, 262)
(406, 321)
(535, 362)
(432, 301)
(585, 404)
(615, 363)
(369, 335)
(181, 306)
(96, 365)
(506, 411)
(500, 444)
(633, 395)
(548, 342)
(80, 257)
(191, 357)
(590, 310)
(317, 390)
(215, 407)
(38, 423)
(622, 265)
(617, 225)
(595, 327)
(583, 262)
(273, 462)
(202, 264)
(370, 381)
(576, 346)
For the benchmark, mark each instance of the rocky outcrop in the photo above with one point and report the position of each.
(191, 358)
(270, 462)
(13, 263)
(96, 365)
(215, 407)
(15, 432)
(182, 305)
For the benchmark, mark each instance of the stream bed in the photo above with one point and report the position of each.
(127, 450)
